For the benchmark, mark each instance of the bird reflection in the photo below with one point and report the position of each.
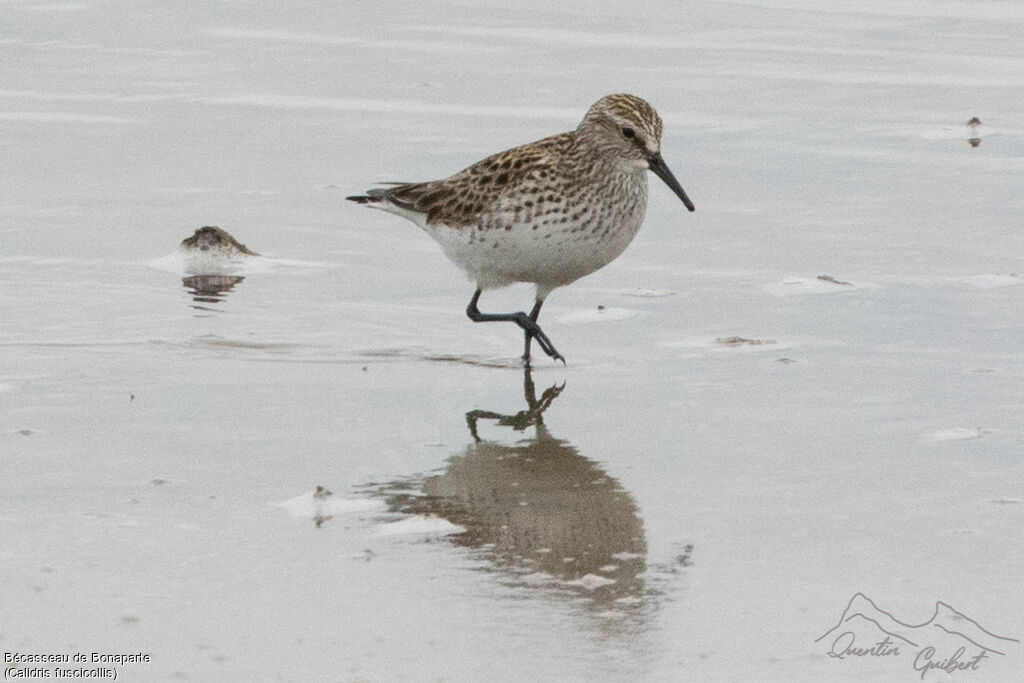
(541, 513)
(210, 289)
(210, 257)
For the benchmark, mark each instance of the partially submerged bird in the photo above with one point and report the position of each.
(212, 238)
(548, 212)
(211, 259)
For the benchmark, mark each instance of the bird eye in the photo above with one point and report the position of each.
(628, 133)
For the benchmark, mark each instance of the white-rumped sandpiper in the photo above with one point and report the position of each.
(548, 212)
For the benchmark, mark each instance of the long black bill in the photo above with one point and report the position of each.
(660, 168)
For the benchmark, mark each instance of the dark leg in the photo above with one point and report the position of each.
(528, 334)
(527, 322)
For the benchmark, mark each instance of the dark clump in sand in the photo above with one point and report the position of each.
(213, 238)
(829, 278)
(743, 341)
(973, 124)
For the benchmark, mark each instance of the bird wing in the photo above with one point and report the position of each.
(460, 200)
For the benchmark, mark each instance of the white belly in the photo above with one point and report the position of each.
(543, 249)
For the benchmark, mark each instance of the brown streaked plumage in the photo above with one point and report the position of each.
(549, 212)
(211, 237)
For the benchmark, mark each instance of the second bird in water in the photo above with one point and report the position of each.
(548, 212)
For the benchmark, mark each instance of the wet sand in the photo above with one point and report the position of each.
(809, 388)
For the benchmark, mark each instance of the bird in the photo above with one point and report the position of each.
(548, 212)
(212, 238)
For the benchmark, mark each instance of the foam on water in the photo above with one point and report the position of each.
(823, 284)
(641, 293)
(590, 582)
(201, 263)
(420, 525)
(953, 434)
(598, 315)
(814, 139)
(311, 505)
(993, 281)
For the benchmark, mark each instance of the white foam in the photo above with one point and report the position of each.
(962, 132)
(646, 293)
(627, 556)
(203, 263)
(420, 525)
(811, 285)
(590, 582)
(993, 281)
(172, 263)
(597, 315)
(308, 505)
(953, 434)
(297, 263)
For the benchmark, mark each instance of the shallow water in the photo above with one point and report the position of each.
(808, 388)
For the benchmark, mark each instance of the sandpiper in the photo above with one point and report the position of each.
(212, 239)
(548, 212)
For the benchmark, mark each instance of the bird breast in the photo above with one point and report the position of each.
(548, 235)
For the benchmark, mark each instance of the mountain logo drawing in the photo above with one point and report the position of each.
(948, 642)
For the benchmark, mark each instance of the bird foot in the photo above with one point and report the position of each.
(534, 332)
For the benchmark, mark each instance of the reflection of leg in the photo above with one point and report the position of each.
(549, 395)
(527, 322)
(474, 415)
(533, 415)
(529, 391)
(530, 394)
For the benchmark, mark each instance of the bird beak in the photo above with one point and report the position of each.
(660, 168)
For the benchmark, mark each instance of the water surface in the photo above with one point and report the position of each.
(808, 388)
